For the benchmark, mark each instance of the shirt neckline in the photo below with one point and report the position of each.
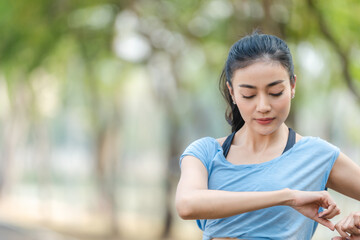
(258, 164)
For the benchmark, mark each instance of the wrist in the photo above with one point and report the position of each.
(288, 196)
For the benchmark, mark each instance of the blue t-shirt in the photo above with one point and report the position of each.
(306, 166)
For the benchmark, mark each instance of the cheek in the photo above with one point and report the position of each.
(245, 108)
(283, 105)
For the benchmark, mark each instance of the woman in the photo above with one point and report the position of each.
(264, 181)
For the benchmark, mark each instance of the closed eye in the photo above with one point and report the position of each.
(277, 94)
(248, 97)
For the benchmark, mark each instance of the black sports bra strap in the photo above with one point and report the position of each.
(226, 145)
(290, 142)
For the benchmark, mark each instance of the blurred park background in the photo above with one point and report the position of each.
(98, 99)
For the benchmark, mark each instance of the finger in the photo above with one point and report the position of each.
(348, 226)
(330, 213)
(357, 220)
(326, 211)
(326, 200)
(334, 213)
(339, 227)
(338, 238)
(351, 228)
(355, 231)
(329, 206)
(325, 222)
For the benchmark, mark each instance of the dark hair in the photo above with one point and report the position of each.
(245, 52)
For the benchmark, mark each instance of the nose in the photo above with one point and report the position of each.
(263, 104)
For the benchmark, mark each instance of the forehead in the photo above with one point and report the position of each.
(260, 73)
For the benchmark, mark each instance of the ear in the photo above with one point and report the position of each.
(293, 85)
(231, 90)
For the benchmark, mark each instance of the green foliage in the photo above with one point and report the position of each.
(64, 73)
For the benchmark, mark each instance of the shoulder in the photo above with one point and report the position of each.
(204, 142)
(319, 141)
(221, 140)
(316, 144)
(203, 149)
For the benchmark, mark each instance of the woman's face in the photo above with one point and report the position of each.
(262, 93)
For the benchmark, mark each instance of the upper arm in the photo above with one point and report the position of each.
(345, 177)
(194, 176)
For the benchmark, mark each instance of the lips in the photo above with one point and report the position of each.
(264, 121)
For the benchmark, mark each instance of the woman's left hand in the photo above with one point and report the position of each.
(349, 227)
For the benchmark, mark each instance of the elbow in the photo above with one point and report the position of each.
(185, 214)
(184, 208)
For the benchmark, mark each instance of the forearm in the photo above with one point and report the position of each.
(210, 204)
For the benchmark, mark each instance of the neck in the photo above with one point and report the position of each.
(257, 142)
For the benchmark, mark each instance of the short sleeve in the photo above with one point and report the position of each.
(333, 153)
(203, 149)
(323, 156)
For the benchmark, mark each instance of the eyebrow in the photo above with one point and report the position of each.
(269, 85)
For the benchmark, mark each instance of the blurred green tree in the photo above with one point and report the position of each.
(182, 46)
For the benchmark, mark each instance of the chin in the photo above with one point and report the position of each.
(265, 133)
(266, 130)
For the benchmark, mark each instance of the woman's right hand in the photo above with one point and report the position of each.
(308, 204)
(349, 227)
